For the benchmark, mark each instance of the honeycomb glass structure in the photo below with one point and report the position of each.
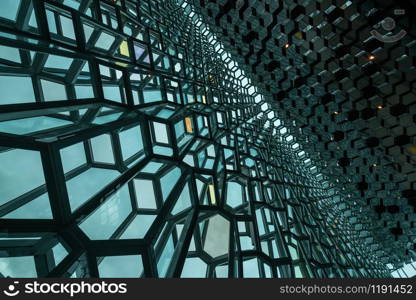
(133, 144)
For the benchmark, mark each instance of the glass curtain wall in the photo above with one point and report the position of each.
(132, 145)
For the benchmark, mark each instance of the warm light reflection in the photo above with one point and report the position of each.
(188, 125)
(212, 194)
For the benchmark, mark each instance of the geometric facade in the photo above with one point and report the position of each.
(133, 145)
(346, 94)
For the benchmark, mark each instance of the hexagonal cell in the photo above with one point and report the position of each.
(402, 140)
(206, 135)
(338, 136)
(217, 239)
(109, 216)
(398, 110)
(362, 185)
(368, 113)
(344, 162)
(194, 267)
(235, 194)
(353, 115)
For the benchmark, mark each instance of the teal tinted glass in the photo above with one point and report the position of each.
(82, 187)
(14, 177)
(103, 222)
(10, 9)
(16, 90)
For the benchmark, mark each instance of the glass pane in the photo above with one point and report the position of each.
(102, 149)
(183, 202)
(169, 180)
(59, 253)
(131, 142)
(22, 266)
(16, 90)
(67, 27)
(73, 157)
(9, 9)
(138, 228)
(217, 237)
(161, 133)
(39, 208)
(145, 194)
(104, 221)
(122, 266)
(105, 41)
(166, 257)
(251, 268)
(53, 91)
(58, 62)
(234, 194)
(194, 267)
(87, 184)
(10, 53)
(31, 125)
(112, 93)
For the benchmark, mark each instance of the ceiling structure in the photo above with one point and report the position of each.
(348, 97)
(161, 146)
